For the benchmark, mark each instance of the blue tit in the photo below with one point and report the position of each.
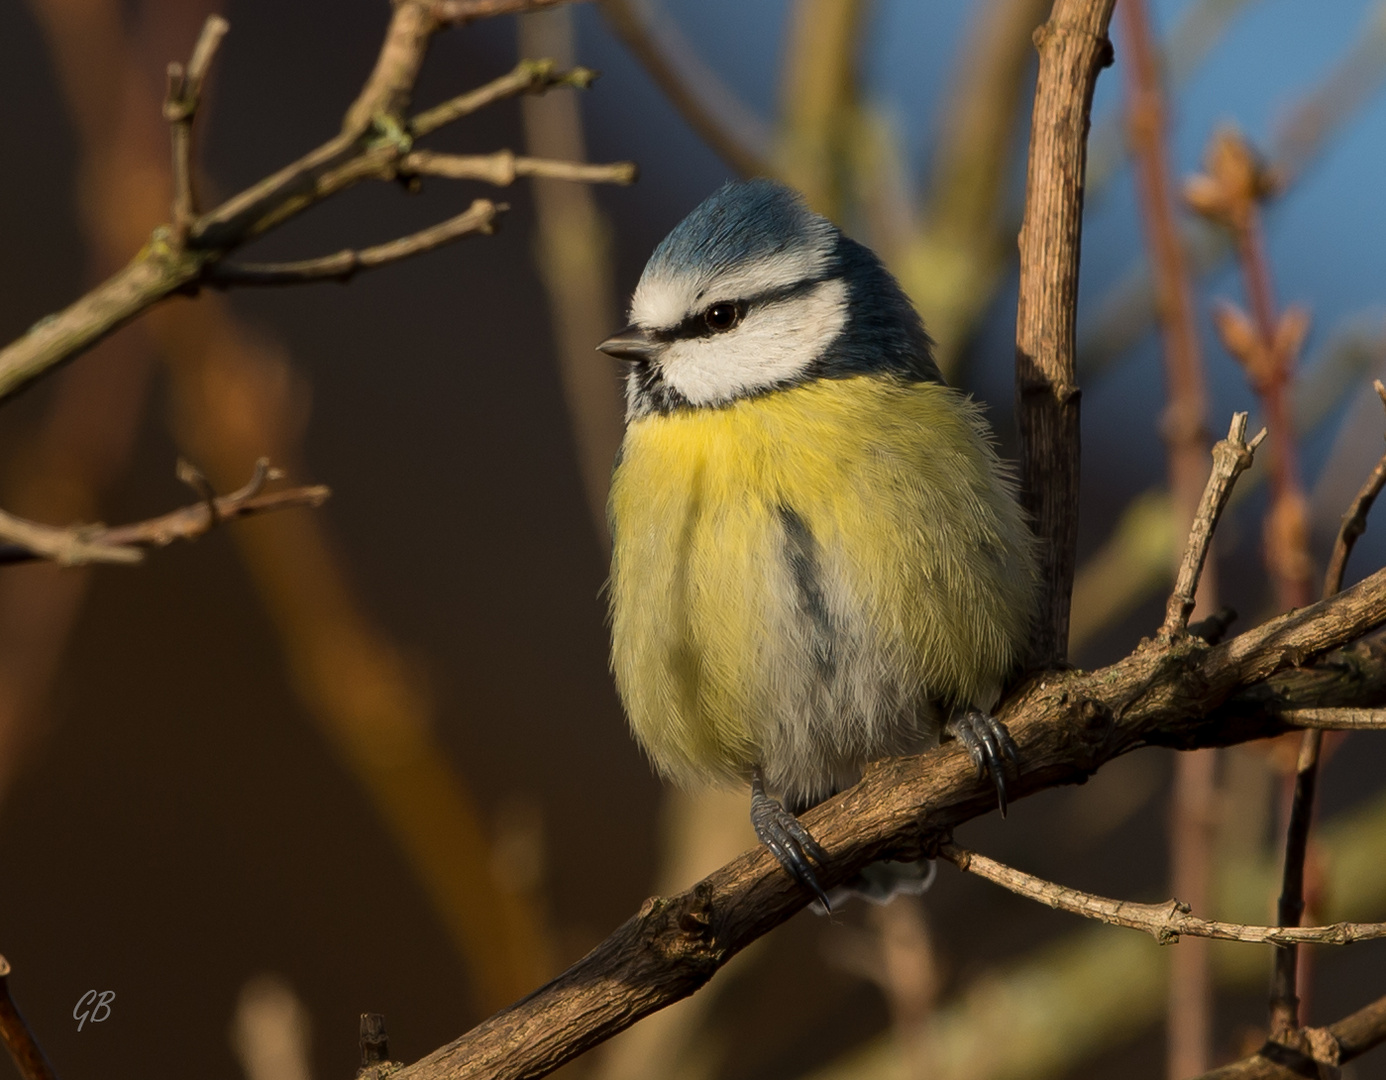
(818, 557)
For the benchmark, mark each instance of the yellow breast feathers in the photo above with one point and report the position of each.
(801, 578)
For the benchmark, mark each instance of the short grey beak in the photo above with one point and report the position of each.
(632, 343)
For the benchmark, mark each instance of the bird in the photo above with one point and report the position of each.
(818, 556)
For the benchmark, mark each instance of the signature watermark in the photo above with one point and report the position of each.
(94, 1005)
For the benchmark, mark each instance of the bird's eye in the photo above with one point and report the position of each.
(722, 316)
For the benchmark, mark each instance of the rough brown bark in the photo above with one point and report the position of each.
(1073, 48)
(1185, 695)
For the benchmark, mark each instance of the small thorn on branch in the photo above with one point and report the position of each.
(1231, 457)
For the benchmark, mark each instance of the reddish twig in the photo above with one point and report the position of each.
(1189, 1033)
(1266, 343)
(18, 1039)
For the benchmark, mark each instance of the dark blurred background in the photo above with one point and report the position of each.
(369, 757)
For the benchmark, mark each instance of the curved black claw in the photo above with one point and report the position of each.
(790, 843)
(989, 745)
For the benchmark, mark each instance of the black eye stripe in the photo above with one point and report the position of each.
(696, 325)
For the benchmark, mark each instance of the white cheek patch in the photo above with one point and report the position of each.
(662, 301)
(775, 343)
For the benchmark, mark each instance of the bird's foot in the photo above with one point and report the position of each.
(989, 745)
(790, 843)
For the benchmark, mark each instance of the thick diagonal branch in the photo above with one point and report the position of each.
(1184, 694)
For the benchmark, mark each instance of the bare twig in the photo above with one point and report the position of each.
(1073, 48)
(1071, 999)
(504, 167)
(1335, 719)
(1330, 1047)
(1354, 522)
(80, 544)
(18, 1039)
(1231, 457)
(704, 102)
(1284, 992)
(528, 77)
(181, 100)
(1166, 922)
(480, 217)
(375, 136)
(461, 12)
